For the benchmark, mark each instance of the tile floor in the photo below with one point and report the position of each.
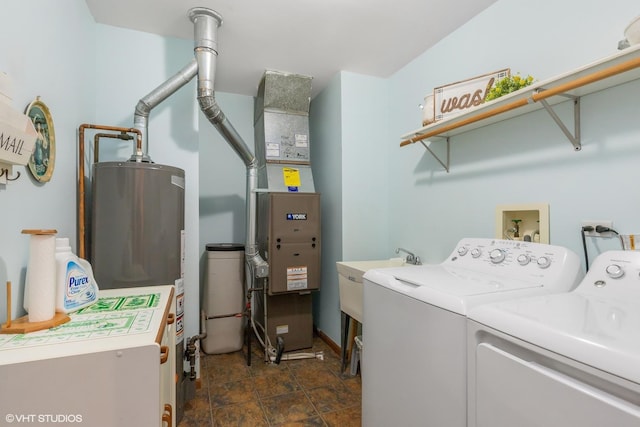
(306, 392)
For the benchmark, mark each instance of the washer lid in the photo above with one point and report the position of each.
(601, 332)
(452, 289)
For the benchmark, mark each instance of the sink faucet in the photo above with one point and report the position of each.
(411, 257)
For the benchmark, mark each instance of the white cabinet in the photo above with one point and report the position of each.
(168, 367)
(111, 365)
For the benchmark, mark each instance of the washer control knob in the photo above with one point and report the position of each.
(497, 256)
(476, 252)
(524, 259)
(615, 271)
(544, 262)
(462, 251)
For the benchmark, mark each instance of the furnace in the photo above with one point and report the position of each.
(288, 223)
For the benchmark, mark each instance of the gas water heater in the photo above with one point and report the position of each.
(289, 237)
(137, 236)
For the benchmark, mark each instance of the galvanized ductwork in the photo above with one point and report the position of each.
(283, 106)
(281, 127)
(159, 94)
(206, 23)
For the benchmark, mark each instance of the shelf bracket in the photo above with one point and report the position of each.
(435, 156)
(574, 138)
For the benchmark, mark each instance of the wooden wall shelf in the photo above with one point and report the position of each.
(608, 72)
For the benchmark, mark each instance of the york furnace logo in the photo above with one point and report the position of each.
(296, 217)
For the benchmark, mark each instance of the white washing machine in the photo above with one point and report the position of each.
(561, 360)
(415, 329)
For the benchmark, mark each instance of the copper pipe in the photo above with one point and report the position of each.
(81, 189)
(96, 141)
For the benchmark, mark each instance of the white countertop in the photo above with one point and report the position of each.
(121, 318)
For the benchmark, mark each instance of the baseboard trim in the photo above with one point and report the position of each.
(324, 337)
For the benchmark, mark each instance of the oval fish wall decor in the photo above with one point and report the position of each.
(42, 161)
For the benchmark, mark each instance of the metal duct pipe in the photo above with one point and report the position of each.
(155, 97)
(206, 23)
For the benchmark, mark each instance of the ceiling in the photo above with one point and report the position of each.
(314, 38)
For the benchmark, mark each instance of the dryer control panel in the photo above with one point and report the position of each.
(613, 274)
(548, 264)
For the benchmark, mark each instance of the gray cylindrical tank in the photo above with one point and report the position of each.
(137, 224)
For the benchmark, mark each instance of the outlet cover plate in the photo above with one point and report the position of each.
(593, 224)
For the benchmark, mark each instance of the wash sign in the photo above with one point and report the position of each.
(453, 99)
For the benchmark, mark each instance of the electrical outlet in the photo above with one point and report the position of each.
(594, 233)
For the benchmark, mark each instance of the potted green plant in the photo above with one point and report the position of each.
(507, 85)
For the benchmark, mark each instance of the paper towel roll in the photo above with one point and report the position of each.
(41, 276)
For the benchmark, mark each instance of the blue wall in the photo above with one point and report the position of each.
(526, 159)
(376, 196)
(48, 50)
(223, 174)
(349, 129)
(325, 127)
(394, 196)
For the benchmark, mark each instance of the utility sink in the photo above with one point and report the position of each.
(350, 281)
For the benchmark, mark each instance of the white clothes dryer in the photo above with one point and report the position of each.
(561, 360)
(415, 327)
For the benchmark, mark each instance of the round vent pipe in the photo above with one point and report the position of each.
(206, 23)
(155, 97)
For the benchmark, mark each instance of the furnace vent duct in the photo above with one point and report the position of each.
(206, 23)
(281, 128)
(285, 92)
(155, 97)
